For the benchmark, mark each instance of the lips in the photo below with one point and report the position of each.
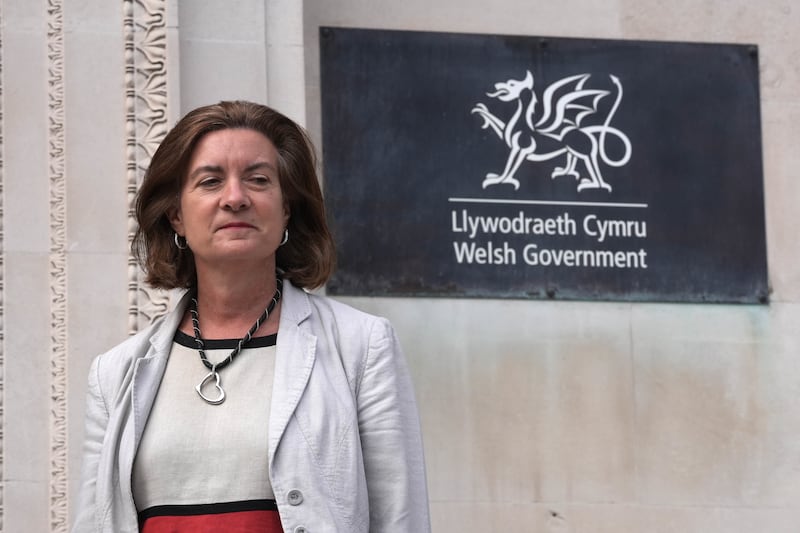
(233, 225)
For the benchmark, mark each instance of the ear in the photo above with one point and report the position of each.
(176, 220)
(286, 214)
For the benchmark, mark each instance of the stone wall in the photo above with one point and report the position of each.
(611, 417)
(537, 416)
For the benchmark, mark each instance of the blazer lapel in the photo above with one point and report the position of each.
(294, 358)
(147, 375)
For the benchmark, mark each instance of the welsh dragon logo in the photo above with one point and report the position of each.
(562, 126)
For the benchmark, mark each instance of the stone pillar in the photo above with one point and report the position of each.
(83, 102)
(285, 58)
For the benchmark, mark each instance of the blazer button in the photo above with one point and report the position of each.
(295, 497)
(300, 529)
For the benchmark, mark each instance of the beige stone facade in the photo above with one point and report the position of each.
(554, 417)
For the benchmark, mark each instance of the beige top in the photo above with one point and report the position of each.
(193, 452)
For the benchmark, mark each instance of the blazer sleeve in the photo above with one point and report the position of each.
(391, 440)
(95, 428)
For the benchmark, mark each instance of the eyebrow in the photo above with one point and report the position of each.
(216, 169)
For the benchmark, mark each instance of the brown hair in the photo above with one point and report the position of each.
(307, 259)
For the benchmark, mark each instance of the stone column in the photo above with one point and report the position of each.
(285, 58)
(83, 102)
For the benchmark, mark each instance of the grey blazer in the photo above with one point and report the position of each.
(344, 435)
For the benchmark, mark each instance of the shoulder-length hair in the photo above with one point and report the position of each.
(307, 259)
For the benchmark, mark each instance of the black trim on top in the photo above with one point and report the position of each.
(224, 344)
(207, 508)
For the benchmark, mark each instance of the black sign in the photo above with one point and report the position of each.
(529, 167)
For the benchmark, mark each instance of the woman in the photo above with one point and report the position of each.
(254, 405)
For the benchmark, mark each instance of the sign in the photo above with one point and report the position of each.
(530, 167)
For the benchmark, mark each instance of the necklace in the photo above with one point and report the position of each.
(214, 368)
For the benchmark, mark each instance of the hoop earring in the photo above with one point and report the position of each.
(285, 237)
(178, 242)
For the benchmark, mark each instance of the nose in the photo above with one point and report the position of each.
(234, 195)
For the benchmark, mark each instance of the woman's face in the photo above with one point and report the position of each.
(231, 206)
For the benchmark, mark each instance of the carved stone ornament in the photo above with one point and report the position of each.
(146, 125)
(58, 267)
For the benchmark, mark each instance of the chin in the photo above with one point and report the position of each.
(243, 253)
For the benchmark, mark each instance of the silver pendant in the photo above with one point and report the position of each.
(217, 384)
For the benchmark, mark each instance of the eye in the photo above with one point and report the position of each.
(259, 180)
(209, 182)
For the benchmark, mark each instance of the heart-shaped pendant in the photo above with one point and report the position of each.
(199, 388)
